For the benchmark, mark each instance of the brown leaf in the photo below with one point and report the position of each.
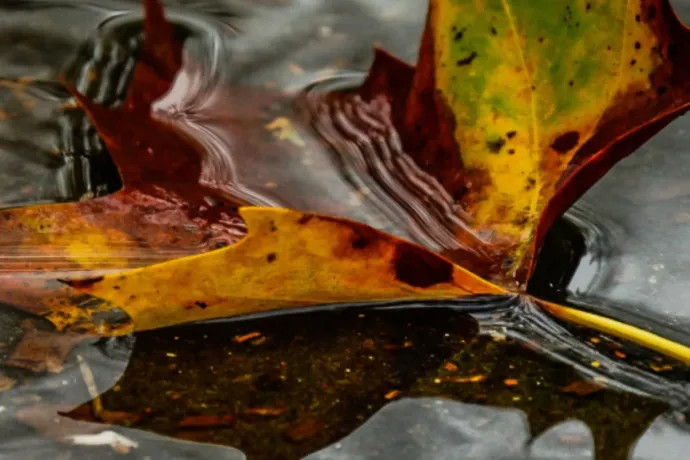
(583, 387)
(304, 430)
(40, 351)
(206, 421)
(289, 259)
(264, 411)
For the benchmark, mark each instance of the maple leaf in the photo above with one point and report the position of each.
(509, 140)
(162, 211)
(288, 259)
(291, 259)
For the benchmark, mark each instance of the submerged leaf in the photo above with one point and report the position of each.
(527, 118)
(288, 259)
(518, 107)
(162, 212)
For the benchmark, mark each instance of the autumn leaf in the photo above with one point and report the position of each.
(507, 140)
(288, 259)
(517, 108)
(162, 212)
(162, 204)
(291, 259)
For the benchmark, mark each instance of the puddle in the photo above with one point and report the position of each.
(252, 93)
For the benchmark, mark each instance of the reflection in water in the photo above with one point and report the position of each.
(254, 97)
(370, 157)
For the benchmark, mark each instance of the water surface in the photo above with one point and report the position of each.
(303, 381)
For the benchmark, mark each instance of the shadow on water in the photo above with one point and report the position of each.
(285, 386)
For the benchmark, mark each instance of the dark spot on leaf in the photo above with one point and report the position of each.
(273, 227)
(541, 39)
(638, 45)
(521, 220)
(531, 180)
(458, 35)
(566, 142)
(588, 7)
(360, 242)
(511, 134)
(201, 304)
(501, 212)
(497, 145)
(493, 31)
(651, 12)
(468, 60)
(80, 284)
(271, 257)
(420, 268)
(633, 62)
(511, 152)
(661, 90)
(460, 193)
(305, 219)
(571, 83)
(638, 18)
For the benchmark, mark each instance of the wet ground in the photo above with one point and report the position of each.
(286, 386)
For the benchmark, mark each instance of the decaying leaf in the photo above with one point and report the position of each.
(196, 422)
(583, 387)
(162, 205)
(41, 351)
(514, 117)
(162, 212)
(518, 107)
(288, 259)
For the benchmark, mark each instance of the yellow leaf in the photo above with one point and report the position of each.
(535, 100)
(288, 259)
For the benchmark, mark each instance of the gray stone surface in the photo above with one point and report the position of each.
(569, 440)
(668, 438)
(439, 429)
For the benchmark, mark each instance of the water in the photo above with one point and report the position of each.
(251, 71)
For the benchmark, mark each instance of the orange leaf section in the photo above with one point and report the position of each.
(288, 259)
